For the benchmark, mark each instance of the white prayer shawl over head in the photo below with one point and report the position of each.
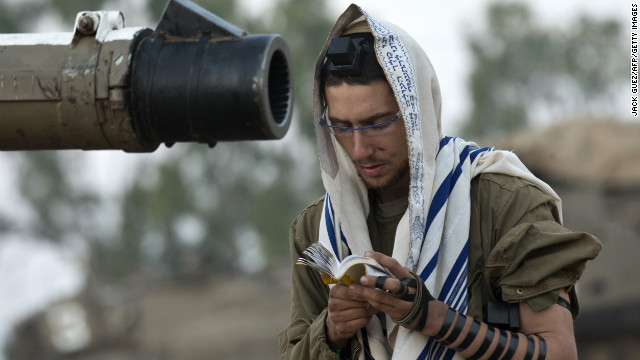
(432, 236)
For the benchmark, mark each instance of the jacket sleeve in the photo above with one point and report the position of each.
(305, 336)
(533, 256)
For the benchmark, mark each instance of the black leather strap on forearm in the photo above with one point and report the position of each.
(513, 346)
(542, 353)
(502, 344)
(507, 344)
(471, 335)
(531, 348)
(488, 339)
(448, 320)
(458, 325)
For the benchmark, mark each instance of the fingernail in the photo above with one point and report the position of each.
(363, 280)
(368, 253)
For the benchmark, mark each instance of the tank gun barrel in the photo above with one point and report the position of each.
(195, 78)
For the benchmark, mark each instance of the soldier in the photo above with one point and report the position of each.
(481, 265)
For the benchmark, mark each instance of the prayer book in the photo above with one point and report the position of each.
(347, 271)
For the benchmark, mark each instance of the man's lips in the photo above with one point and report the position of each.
(371, 170)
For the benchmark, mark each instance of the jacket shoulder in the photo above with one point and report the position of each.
(306, 225)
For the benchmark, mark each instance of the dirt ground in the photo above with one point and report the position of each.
(238, 318)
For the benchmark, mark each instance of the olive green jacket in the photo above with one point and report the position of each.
(518, 251)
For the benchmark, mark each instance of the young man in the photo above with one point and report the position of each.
(460, 228)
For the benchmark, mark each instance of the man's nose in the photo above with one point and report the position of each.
(362, 145)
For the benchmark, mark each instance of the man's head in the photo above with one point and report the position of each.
(357, 101)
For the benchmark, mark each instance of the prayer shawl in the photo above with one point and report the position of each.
(432, 236)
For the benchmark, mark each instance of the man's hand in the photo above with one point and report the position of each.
(554, 323)
(347, 313)
(392, 305)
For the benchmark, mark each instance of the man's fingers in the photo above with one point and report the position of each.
(390, 263)
(389, 284)
(347, 326)
(342, 292)
(347, 316)
(383, 301)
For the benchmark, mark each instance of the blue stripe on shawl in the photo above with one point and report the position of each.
(453, 275)
(463, 305)
(458, 290)
(344, 241)
(443, 142)
(449, 354)
(444, 190)
(431, 265)
(328, 214)
(458, 171)
(436, 349)
(460, 268)
(461, 282)
(477, 152)
(425, 351)
(328, 211)
(457, 272)
(439, 199)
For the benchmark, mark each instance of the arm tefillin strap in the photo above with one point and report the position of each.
(471, 335)
(564, 303)
(380, 282)
(502, 344)
(507, 344)
(486, 343)
(513, 346)
(420, 301)
(543, 347)
(403, 292)
(458, 325)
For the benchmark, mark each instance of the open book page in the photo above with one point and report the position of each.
(349, 271)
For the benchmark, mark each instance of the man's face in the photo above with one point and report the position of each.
(382, 160)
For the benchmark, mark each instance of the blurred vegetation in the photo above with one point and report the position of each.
(188, 214)
(524, 70)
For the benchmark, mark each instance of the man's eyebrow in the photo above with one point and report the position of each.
(368, 119)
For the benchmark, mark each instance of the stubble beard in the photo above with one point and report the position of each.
(402, 171)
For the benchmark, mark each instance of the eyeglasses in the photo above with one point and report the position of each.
(371, 130)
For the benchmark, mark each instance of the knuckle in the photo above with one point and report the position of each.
(378, 296)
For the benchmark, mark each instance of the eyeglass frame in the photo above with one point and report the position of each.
(353, 129)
